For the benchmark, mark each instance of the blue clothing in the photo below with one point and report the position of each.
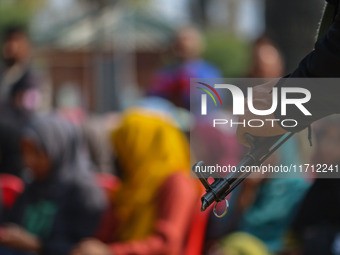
(173, 82)
(276, 202)
(273, 211)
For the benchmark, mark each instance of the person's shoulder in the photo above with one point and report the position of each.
(210, 67)
(179, 182)
(177, 177)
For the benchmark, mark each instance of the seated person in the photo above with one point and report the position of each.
(61, 205)
(154, 206)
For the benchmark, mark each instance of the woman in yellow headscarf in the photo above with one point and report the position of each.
(155, 203)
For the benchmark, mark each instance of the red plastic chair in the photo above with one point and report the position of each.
(11, 187)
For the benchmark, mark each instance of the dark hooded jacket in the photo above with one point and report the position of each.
(66, 207)
(10, 155)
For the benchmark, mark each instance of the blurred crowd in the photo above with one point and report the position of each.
(119, 183)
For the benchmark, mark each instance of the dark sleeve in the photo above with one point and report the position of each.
(322, 62)
(15, 214)
(76, 221)
(11, 159)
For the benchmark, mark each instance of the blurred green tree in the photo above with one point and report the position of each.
(229, 53)
(17, 12)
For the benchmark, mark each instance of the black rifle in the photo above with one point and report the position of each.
(259, 151)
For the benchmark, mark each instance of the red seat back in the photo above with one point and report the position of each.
(11, 187)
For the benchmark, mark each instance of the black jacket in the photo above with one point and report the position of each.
(322, 62)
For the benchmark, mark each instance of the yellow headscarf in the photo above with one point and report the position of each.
(149, 149)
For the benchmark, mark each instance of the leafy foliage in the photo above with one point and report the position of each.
(17, 12)
(230, 53)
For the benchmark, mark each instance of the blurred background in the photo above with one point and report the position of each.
(94, 126)
(103, 53)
